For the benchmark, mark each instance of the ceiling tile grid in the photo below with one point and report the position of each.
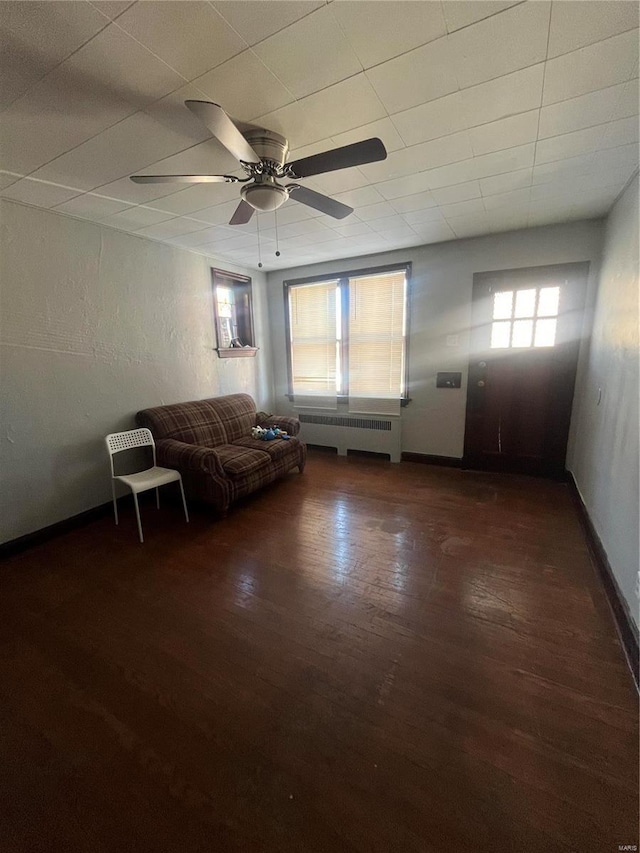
(495, 115)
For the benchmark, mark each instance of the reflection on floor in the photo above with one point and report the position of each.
(367, 657)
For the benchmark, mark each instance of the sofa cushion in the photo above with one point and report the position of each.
(196, 422)
(277, 448)
(241, 461)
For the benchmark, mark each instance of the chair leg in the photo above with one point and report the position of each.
(184, 502)
(135, 500)
(115, 503)
(158, 498)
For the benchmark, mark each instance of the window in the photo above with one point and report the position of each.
(233, 314)
(347, 335)
(525, 318)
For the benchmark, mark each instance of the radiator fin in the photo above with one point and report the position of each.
(356, 423)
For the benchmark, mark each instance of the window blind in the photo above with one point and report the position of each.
(312, 313)
(376, 335)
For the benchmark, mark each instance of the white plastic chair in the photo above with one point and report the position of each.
(151, 478)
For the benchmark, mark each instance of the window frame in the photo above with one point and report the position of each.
(242, 284)
(343, 283)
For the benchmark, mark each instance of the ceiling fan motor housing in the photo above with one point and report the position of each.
(269, 146)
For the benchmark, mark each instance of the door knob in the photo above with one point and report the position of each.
(482, 364)
(481, 383)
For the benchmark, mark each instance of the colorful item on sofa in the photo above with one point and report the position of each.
(268, 433)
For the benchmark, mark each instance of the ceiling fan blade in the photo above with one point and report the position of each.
(319, 202)
(224, 130)
(184, 179)
(242, 214)
(367, 151)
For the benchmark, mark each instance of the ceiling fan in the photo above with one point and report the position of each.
(262, 155)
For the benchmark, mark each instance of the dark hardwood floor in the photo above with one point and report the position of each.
(367, 657)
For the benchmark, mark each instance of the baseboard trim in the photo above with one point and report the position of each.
(429, 459)
(622, 618)
(37, 537)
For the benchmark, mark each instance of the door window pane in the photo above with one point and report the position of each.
(502, 305)
(548, 303)
(522, 333)
(525, 304)
(500, 333)
(545, 333)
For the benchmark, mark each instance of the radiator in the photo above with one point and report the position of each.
(352, 432)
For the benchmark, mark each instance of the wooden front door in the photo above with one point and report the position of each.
(525, 339)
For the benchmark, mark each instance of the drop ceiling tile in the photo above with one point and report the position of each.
(337, 182)
(352, 229)
(470, 226)
(189, 36)
(424, 155)
(621, 157)
(244, 87)
(484, 166)
(382, 129)
(558, 169)
(360, 197)
(417, 201)
(375, 211)
(501, 44)
(510, 200)
(407, 185)
(507, 182)
(309, 55)
(112, 8)
(124, 189)
(379, 31)
(441, 117)
(206, 236)
(218, 214)
(575, 25)
(505, 133)
(36, 37)
(461, 14)
(40, 193)
(121, 150)
(421, 75)
(257, 21)
(169, 228)
(332, 111)
(458, 192)
(420, 217)
(91, 206)
(136, 217)
(198, 197)
(514, 93)
(389, 224)
(621, 132)
(569, 144)
(598, 66)
(588, 110)
(434, 232)
(8, 178)
(508, 221)
(471, 207)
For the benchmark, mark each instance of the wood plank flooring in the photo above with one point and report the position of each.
(366, 657)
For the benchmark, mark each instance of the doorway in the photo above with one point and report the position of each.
(525, 340)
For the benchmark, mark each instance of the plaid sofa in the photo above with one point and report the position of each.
(210, 443)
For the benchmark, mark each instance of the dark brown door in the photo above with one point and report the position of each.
(525, 338)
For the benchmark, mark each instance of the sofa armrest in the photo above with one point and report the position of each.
(191, 457)
(290, 425)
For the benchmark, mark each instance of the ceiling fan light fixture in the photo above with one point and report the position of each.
(264, 197)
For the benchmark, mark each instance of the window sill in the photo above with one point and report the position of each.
(404, 401)
(237, 352)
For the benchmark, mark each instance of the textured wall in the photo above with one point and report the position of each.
(440, 316)
(94, 325)
(604, 452)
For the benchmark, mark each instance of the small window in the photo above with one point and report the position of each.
(525, 318)
(233, 314)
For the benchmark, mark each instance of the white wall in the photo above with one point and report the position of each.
(603, 455)
(440, 306)
(96, 324)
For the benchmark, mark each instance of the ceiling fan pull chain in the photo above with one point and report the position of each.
(275, 213)
(258, 230)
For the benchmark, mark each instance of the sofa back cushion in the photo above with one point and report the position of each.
(208, 423)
